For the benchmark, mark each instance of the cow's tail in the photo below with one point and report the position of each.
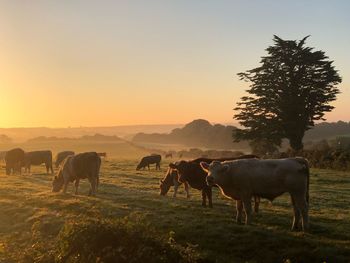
(306, 170)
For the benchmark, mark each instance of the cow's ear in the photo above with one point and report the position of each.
(172, 166)
(205, 166)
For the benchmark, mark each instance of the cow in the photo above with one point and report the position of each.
(168, 155)
(147, 160)
(37, 158)
(76, 167)
(171, 179)
(102, 154)
(61, 156)
(14, 160)
(270, 178)
(192, 173)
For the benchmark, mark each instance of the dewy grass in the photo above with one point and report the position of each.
(32, 217)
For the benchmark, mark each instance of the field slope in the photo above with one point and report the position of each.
(31, 217)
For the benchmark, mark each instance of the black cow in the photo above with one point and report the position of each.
(147, 160)
(37, 158)
(14, 160)
(192, 173)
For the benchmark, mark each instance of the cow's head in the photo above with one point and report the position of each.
(165, 183)
(140, 165)
(58, 181)
(182, 169)
(215, 171)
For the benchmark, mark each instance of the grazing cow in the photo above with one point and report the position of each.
(241, 179)
(61, 156)
(192, 173)
(147, 160)
(76, 167)
(171, 179)
(37, 158)
(102, 154)
(169, 155)
(14, 160)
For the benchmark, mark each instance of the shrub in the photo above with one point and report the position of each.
(117, 241)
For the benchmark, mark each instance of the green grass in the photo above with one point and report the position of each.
(31, 217)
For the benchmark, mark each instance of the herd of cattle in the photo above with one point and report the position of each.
(241, 178)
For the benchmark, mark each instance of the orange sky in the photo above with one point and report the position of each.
(100, 63)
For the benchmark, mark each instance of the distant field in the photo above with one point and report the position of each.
(31, 217)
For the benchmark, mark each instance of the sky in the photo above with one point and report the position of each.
(102, 63)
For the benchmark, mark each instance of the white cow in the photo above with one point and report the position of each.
(242, 179)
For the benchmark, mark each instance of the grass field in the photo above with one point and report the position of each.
(31, 216)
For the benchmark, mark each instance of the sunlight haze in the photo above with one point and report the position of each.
(99, 63)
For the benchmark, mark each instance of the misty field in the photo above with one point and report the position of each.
(31, 217)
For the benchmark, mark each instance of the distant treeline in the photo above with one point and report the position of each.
(96, 137)
(200, 133)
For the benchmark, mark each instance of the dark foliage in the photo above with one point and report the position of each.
(289, 92)
(118, 241)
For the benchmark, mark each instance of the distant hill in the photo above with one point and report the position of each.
(96, 137)
(327, 130)
(126, 131)
(5, 139)
(200, 133)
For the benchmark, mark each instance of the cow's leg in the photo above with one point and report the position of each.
(296, 218)
(93, 183)
(209, 195)
(204, 201)
(51, 168)
(187, 190)
(176, 186)
(247, 204)
(239, 208)
(76, 184)
(65, 185)
(148, 167)
(302, 205)
(256, 204)
(47, 168)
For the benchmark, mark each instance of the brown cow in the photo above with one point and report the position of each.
(171, 179)
(192, 173)
(37, 158)
(14, 160)
(241, 179)
(61, 156)
(76, 167)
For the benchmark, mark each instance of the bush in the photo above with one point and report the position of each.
(117, 241)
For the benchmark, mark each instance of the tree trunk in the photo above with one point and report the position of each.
(296, 143)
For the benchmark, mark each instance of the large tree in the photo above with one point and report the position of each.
(288, 92)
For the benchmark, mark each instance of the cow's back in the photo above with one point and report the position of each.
(38, 157)
(86, 164)
(266, 178)
(14, 155)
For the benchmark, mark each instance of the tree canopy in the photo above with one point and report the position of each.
(288, 93)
